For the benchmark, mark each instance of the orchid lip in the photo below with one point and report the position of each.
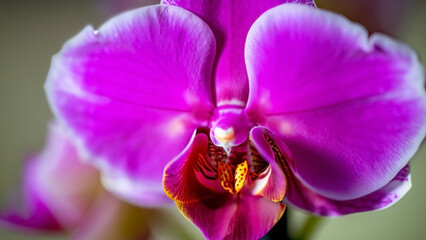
(209, 185)
(242, 169)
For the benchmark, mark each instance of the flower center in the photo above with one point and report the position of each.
(229, 127)
(240, 167)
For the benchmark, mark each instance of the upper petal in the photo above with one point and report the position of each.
(352, 109)
(230, 22)
(133, 92)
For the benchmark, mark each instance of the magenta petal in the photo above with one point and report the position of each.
(302, 197)
(230, 22)
(133, 92)
(352, 109)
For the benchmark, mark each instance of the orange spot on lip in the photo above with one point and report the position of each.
(240, 176)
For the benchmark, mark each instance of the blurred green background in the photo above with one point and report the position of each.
(32, 31)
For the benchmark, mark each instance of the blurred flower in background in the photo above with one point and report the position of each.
(61, 193)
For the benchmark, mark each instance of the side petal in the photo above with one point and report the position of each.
(302, 197)
(230, 22)
(352, 109)
(305, 198)
(133, 92)
(181, 181)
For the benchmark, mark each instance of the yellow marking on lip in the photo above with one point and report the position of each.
(240, 176)
(226, 176)
(232, 181)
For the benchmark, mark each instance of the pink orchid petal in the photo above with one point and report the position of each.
(352, 109)
(230, 22)
(302, 197)
(133, 92)
(57, 186)
(218, 214)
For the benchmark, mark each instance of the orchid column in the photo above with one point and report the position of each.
(238, 107)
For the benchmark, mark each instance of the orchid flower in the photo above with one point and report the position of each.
(62, 194)
(235, 107)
